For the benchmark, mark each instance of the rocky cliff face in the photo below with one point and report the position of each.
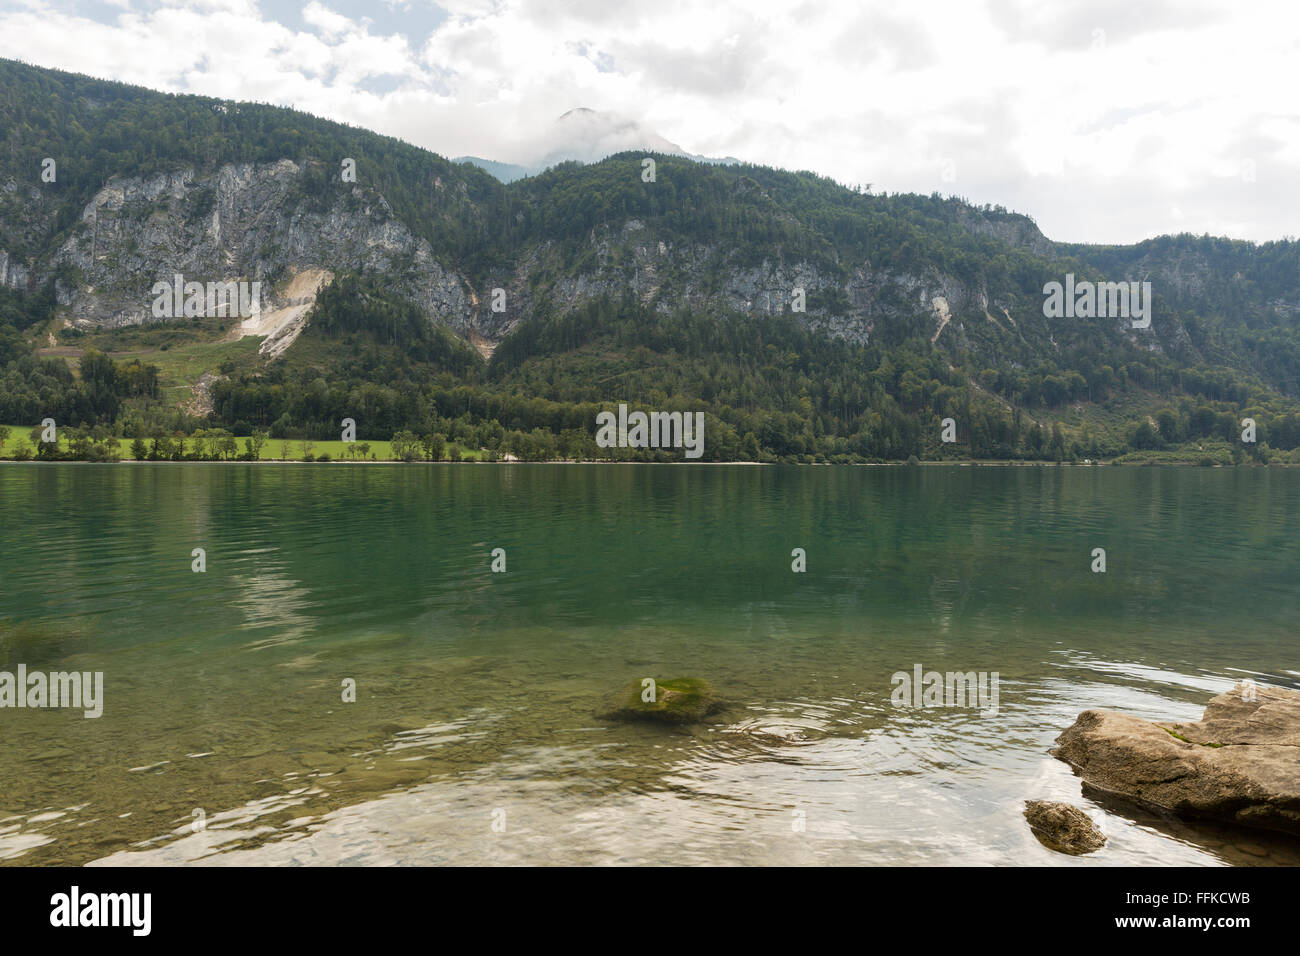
(261, 223)
(14, 273)
(665, 275)
(1012, 230)
(242, 223)
(28, 218)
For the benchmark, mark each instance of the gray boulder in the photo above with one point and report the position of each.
(1063, 828)
(1240, 763)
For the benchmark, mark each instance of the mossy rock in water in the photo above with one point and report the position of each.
(37, 644)
(682, 700)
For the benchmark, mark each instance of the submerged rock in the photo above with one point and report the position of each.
(682, 700)
(1063, 828)
(1240, 763)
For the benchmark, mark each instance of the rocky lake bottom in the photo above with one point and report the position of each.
(478, 735)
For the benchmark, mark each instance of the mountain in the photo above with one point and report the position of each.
(410, 292)
(586, 136)
(506, 172)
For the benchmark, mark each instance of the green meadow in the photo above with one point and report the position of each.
(272, 450)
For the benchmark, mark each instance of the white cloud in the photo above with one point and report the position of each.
(331, 25)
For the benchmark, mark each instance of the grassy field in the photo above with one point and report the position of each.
(273, 450)
(183, 351)
(185, 366)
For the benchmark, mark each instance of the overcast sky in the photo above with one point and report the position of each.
(1106, 121)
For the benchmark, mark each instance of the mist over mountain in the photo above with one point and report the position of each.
(586, 136)
(808, 320)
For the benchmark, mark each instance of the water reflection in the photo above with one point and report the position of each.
(473, 737)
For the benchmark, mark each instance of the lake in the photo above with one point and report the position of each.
(473, 738)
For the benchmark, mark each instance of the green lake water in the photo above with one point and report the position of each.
(474, 737)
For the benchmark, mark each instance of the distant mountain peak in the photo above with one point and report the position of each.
(588, 136)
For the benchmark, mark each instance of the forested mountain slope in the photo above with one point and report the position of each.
(808, 320)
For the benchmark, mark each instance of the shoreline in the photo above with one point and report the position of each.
(959, 463)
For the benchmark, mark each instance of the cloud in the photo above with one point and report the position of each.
(329, 24)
